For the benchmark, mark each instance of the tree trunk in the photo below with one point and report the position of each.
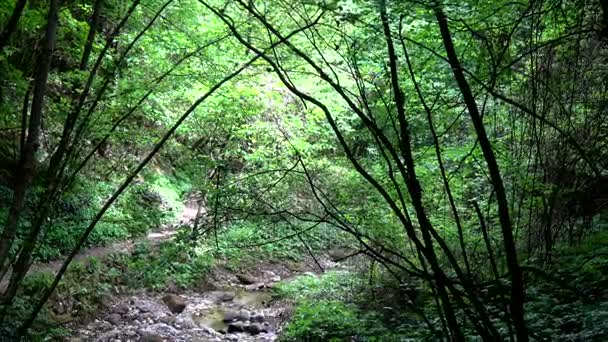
(11, 26)
(517, 284)
(93, 26)
(26, 164)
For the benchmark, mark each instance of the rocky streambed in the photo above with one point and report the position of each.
(234, 307)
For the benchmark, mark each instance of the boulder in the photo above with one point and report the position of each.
(175, 303)
(236, 327)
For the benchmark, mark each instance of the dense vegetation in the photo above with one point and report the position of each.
(457, 151)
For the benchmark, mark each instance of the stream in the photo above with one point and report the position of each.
(233, 307)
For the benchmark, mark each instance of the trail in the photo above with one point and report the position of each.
(155, 237)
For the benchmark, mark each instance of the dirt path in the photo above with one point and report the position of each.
(155, 237)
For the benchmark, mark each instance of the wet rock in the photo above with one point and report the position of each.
(243, 316)
(245, 279)
(236, 327)
(175, 303)
(230, 315)
(115, 318)
(254, 328)
(258, 317)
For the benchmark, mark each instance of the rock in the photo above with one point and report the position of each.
(254, 328)
(175, 303)
(149, 337)
(169, 319)
(255, 286)
(186, 323)
(163, 328)
(121, 309)
(143, 306)
(115, 318)
(258, 317)
(243, 316)
(236, 327)
(245, 279)
(222, 331)
(230, 315)
(226, 296)
(222, 296)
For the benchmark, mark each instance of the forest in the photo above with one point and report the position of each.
(303, 170)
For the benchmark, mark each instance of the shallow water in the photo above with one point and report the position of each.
(213, 317)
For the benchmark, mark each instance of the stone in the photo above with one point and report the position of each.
(149, 337)
(188, 324)
(115, 318)
(236, 327)
(230, 315)
(245, 279)
(258, 317)
(143, 306)
(169, 319)
(243, 316)
(163, 328)
(254, 328)
(175, 303)
(225, 296)
(121, 309)
(255, 286)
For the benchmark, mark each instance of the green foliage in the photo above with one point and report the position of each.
(173, 264)
(324, 321)
(333, 285)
